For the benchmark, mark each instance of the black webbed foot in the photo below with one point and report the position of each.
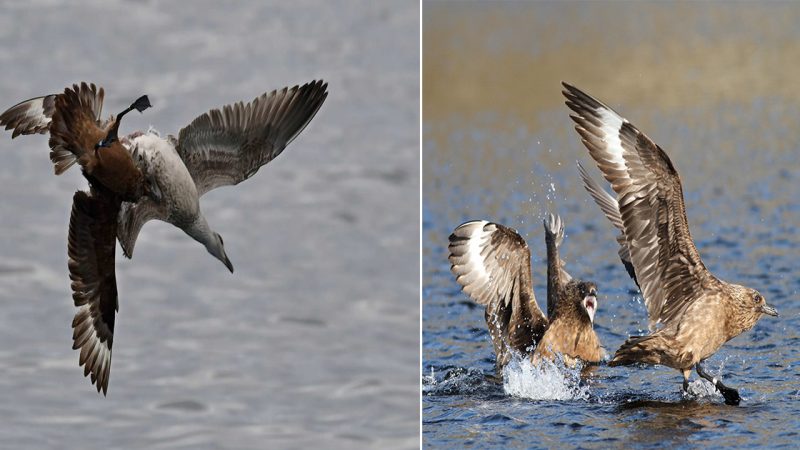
(141, 103)
(731, 395)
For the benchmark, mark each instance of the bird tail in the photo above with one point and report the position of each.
(653, 349)
(74, 124)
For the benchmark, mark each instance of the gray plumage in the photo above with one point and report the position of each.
(220, 148)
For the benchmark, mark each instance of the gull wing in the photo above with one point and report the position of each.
(225, 147)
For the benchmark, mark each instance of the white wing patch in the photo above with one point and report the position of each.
(612, 123)
(475, 261)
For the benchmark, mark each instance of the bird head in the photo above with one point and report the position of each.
(588, 298)
(217, 248)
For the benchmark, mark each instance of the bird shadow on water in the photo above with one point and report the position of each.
(648, 422)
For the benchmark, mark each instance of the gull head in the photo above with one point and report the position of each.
(217, 248)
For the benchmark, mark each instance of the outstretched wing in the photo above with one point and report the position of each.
(492, 263)
(610, 208)
(29, 117)
(223, 148)
(92, 233)
(666, 262)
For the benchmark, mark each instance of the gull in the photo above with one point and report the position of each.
(142, 176)
(492, 264)
(692, 313)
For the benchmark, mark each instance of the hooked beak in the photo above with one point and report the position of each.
(590, 305)
(228, 264)
(766, 309)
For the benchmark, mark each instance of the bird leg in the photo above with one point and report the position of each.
(140, 105)
(686, 373)
(731, 395)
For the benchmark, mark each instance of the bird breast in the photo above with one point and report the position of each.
(162, 162)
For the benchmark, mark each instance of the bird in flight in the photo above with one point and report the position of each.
(142, 176)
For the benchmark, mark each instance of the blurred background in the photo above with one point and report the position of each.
(315, 338)
(713, 83)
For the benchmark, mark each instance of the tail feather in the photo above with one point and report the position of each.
(74, 124)
(653, 349)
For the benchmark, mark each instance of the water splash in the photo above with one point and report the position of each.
(702, 389)
(455, 381)
(545, 380)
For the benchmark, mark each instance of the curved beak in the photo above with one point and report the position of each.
(227, 263)
(766, 309)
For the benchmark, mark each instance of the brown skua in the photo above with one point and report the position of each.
(492, 264)
(77, 134)
(691, 312)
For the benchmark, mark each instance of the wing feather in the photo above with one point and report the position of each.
(667, 265)
(492, 264)
(92, 233)
(610, 208)
(29, 117)
(75, 126)
(132, 217)
(225, 147)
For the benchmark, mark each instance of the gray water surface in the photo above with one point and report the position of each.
(313, 340)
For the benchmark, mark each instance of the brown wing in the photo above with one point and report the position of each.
(223, 148)
(610, 208)
(29, 117)
(492, 263)
(75, 127)
(667, 264)
(92, 233)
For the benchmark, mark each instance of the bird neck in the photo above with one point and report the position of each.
(200, 231)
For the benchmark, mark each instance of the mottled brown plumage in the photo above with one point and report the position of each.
(76, 129)
(91, 245)
(492, 264)
(692, 313)
(78, 135)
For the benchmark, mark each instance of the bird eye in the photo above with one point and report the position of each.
(757, 298)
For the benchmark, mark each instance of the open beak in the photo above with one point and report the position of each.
(590, 305)
(766, 309)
